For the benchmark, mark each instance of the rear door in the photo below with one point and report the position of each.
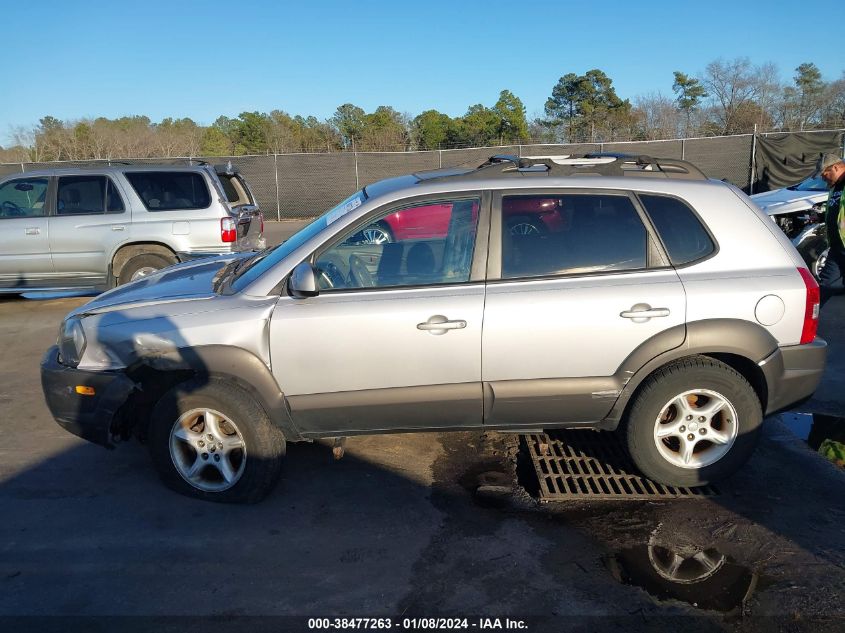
(90, 222)
(24, 233)
(569, 302)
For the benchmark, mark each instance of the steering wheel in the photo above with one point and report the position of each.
(11, 209)
(331, 275)
(359, 275)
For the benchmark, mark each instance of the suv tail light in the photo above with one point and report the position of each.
(228, 229)
(811, 308)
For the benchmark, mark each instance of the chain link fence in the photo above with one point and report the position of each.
(289, 186)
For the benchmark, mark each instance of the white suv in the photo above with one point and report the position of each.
(633, 305)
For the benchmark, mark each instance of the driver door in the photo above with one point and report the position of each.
(393, 340)
(25, 260)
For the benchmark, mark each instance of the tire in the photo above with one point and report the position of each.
(142, 265)
(378, 233)
(814, 254)
(523, 225)
(180, 426)
(658, 408)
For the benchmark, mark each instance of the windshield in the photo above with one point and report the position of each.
(813, 183)
(257, 265)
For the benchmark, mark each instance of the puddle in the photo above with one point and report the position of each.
(705, 579)
(815, 428)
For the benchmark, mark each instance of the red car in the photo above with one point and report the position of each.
(523, 216)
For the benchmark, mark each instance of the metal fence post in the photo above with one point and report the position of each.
(683, 149)
(357, 180)
(278, 200)
(519, 151)
(22, 169)
(753, 159)
(440, 158)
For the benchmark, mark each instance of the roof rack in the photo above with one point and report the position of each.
(593, 164)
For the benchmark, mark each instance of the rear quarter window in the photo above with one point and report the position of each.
(170, 191)
(685, 238)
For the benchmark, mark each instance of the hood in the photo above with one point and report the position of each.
(183, 282)
(782, 201)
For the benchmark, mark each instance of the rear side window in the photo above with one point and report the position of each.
(685, 238)
(545, 235)
(87, 195)
(229, 189)
(170, 191)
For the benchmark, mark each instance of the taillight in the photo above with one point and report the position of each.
(811, 308)
(228, 230)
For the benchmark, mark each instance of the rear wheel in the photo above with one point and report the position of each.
(693, 422)
(144, 265)
(212, 441)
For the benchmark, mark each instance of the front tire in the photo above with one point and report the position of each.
(211, 440)
(693, 422)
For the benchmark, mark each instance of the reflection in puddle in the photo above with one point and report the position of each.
(706, 579)
(825, 432)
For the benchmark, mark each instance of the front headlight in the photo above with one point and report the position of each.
(71, 342)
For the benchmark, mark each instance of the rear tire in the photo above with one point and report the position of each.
(672, 433)
(143, 265)
(210, 439)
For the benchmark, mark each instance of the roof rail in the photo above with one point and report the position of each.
(594, 164)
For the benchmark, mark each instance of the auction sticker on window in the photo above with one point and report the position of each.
(350, 204)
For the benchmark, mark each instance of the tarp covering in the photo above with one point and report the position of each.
(787, 159)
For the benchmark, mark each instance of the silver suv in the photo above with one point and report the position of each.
(98, 227)
(633, 305)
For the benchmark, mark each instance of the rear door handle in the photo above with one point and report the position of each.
(33, 230)
(642, 312)
(117, 228)
(439, 324)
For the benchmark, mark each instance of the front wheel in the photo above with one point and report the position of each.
(693, 422)
(211, 440)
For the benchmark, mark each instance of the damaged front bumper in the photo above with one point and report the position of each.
(91, 417)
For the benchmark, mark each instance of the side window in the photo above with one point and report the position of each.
(685, 238)
(23, 198)
(114, 203)
(425, 244)
(81, 195)
(170, 191)
(570, 234)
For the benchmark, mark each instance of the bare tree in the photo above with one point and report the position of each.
(731, 86)
(657, 117)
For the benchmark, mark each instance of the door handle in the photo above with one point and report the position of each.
(642, 312)
(439, 324)
(117, 228)
(33, 230)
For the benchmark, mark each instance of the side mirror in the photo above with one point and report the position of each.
(303, 282)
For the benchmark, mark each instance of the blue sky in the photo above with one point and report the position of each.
(201, 59)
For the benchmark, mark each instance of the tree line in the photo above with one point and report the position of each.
(727, 97)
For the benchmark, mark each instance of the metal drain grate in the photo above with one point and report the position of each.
(578, 464)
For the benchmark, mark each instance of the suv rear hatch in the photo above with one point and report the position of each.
(249, 218)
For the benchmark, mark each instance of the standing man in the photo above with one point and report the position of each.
(832, 169)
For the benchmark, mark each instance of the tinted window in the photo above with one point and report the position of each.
(685, 238)
(23, 198)
(570, 234)
(428, 243)
(80, 195)
(229, 189)
(170, 191)
(114, 203)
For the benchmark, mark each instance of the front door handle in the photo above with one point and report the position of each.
(642, 312)
(33, 230)
(439, 324)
